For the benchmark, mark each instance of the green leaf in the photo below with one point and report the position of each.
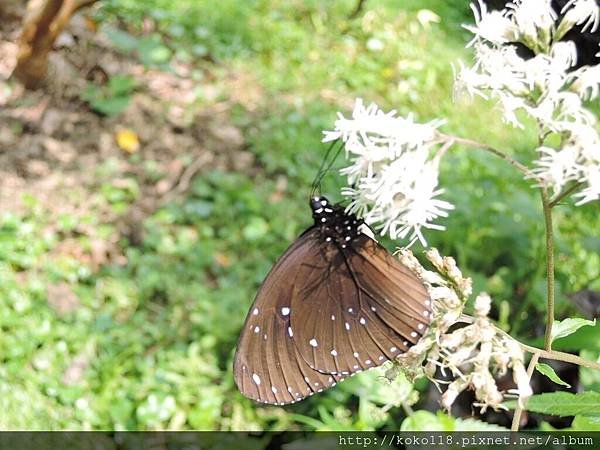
(568, 326)
(121, 39)
(545, 369)
(563, 403)
(586, 423)
(422, 421)
(121, 85)
(110, 106)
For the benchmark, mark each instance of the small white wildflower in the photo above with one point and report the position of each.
(556, 168)
(586, 82)
(534, 19)
(454, 388)
(519, 373)
(492, 26)
(470, 80)
(483, 303)
(563, 56)
(472, 353)
(577, 12)
(590, 176)
(394, 178)
(510, 105)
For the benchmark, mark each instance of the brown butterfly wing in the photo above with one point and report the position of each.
(267, 365)
(359, 307)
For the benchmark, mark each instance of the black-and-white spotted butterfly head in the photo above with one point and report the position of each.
(334, 224)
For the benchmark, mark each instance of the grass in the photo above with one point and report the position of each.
(155, 338)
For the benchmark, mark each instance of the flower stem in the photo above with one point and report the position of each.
(547, 207)
(488, 148)
(565, 193)
(516, 422)
(546, 354)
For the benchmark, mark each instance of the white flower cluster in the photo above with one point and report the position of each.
(473, 354)
(544, 86)
(394, 171)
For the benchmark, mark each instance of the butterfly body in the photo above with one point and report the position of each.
(335, 303)
(334, 225)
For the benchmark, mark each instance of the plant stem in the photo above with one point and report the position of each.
(516, 422)
(488, 148)
(547, 207)
(565, 193)
(546, 354)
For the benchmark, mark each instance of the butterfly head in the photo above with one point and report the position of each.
(335, 225)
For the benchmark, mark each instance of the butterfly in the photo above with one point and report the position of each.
(336, 303)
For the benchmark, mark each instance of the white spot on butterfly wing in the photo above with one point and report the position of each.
(373, 309)
(420, 326)
(290, 332)
(306, 379)
(413, 334)
(368, 361)
(350, 310)
(255, 312)
(355, 354)
(333, 352)
(347, 325)
(285, 310)
(332, 317)
(323, 202)
(256, 379)
(256, 329)
(362, 321)
(274, 389)
(313, 342)
(393, 349)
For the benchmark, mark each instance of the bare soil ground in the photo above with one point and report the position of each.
(55, 149)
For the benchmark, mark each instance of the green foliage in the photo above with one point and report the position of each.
(548, 371)
(150, 50)
(111, 99)
(569, 326)
(427, 421)
(564, 404)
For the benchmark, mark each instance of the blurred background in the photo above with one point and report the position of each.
(153, 178)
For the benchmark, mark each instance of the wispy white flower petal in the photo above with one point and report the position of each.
(534, 18)
(492, 26)
(393, 176)
(586, 12)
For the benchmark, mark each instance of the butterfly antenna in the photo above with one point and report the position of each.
(325, 166)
